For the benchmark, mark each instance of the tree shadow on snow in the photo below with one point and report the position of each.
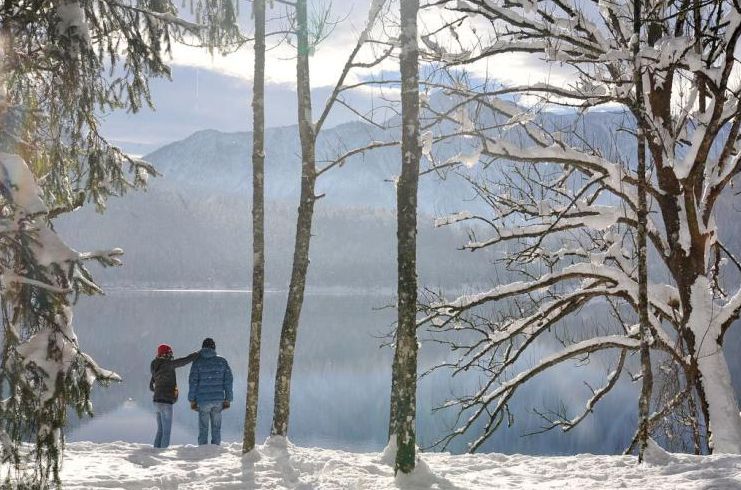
(248, 470)
(150, 456)
(423, 478)
(146, 457)
(197, 453)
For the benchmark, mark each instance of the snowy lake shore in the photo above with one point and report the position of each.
(276, 465)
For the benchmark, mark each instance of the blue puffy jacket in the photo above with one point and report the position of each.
(210, 378)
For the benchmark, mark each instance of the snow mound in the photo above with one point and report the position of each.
(657, 455)
(421, 477)
(388, 456)
(277, 444)
(252, 457)
(283, 466)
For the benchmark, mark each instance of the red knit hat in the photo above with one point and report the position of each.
(163, 350)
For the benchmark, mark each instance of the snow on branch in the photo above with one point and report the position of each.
(44, 369)
(564, 206)
(586, 270)
(453, 218)
(167, 17)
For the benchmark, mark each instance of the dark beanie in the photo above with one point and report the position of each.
(209, 343)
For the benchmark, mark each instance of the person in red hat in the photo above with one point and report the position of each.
(164, 385)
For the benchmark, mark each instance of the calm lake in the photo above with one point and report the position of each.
(340, 389)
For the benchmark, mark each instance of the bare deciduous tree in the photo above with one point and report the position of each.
(308, 132)
(573, 207)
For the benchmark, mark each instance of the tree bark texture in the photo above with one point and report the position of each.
(258, 228)
(303, 229)
(719, 398)
(405, 359)
(644, 401)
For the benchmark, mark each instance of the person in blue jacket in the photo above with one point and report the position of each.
(210, 390)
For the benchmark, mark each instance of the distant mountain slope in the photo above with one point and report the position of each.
(191, 228)
(214, 162)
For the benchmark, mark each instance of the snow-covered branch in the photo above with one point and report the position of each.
(564, 205)
(558, 421)
(490, 405)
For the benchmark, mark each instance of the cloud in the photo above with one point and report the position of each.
(198, 99)
(213, 91)
(347, 20)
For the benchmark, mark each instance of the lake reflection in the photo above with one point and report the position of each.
(339, 372)
(341, 383)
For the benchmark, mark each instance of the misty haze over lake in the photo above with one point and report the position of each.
(191, 230)
(341, 382)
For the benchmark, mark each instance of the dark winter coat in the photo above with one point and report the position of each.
(210, 378)
(164, 382)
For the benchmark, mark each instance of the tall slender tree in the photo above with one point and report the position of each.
(644, 400)
(258, 226)
(308, 132)
(303, 227)
(404, 396)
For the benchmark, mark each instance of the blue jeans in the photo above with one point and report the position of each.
(163, 413)
(209, 412)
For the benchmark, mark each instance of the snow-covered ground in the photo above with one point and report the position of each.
(274, 466)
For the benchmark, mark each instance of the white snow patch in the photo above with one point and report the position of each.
(426, 142)
(453, 218)
(421, 477)
(50, 249)
(92, 466)
(684, 238)
(388, 455)
(462, 117)
(468, 158)
(657, 455)
(21, 185)
(71, 20)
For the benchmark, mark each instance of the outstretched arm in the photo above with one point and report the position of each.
(182, 361)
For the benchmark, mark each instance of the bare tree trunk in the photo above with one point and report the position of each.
(405, 359)
(646, 373)
(258, 227)
(696, 438)
(393, 408)
(303, 230)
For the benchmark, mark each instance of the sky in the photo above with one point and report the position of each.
(202, 98)
(214, 91)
